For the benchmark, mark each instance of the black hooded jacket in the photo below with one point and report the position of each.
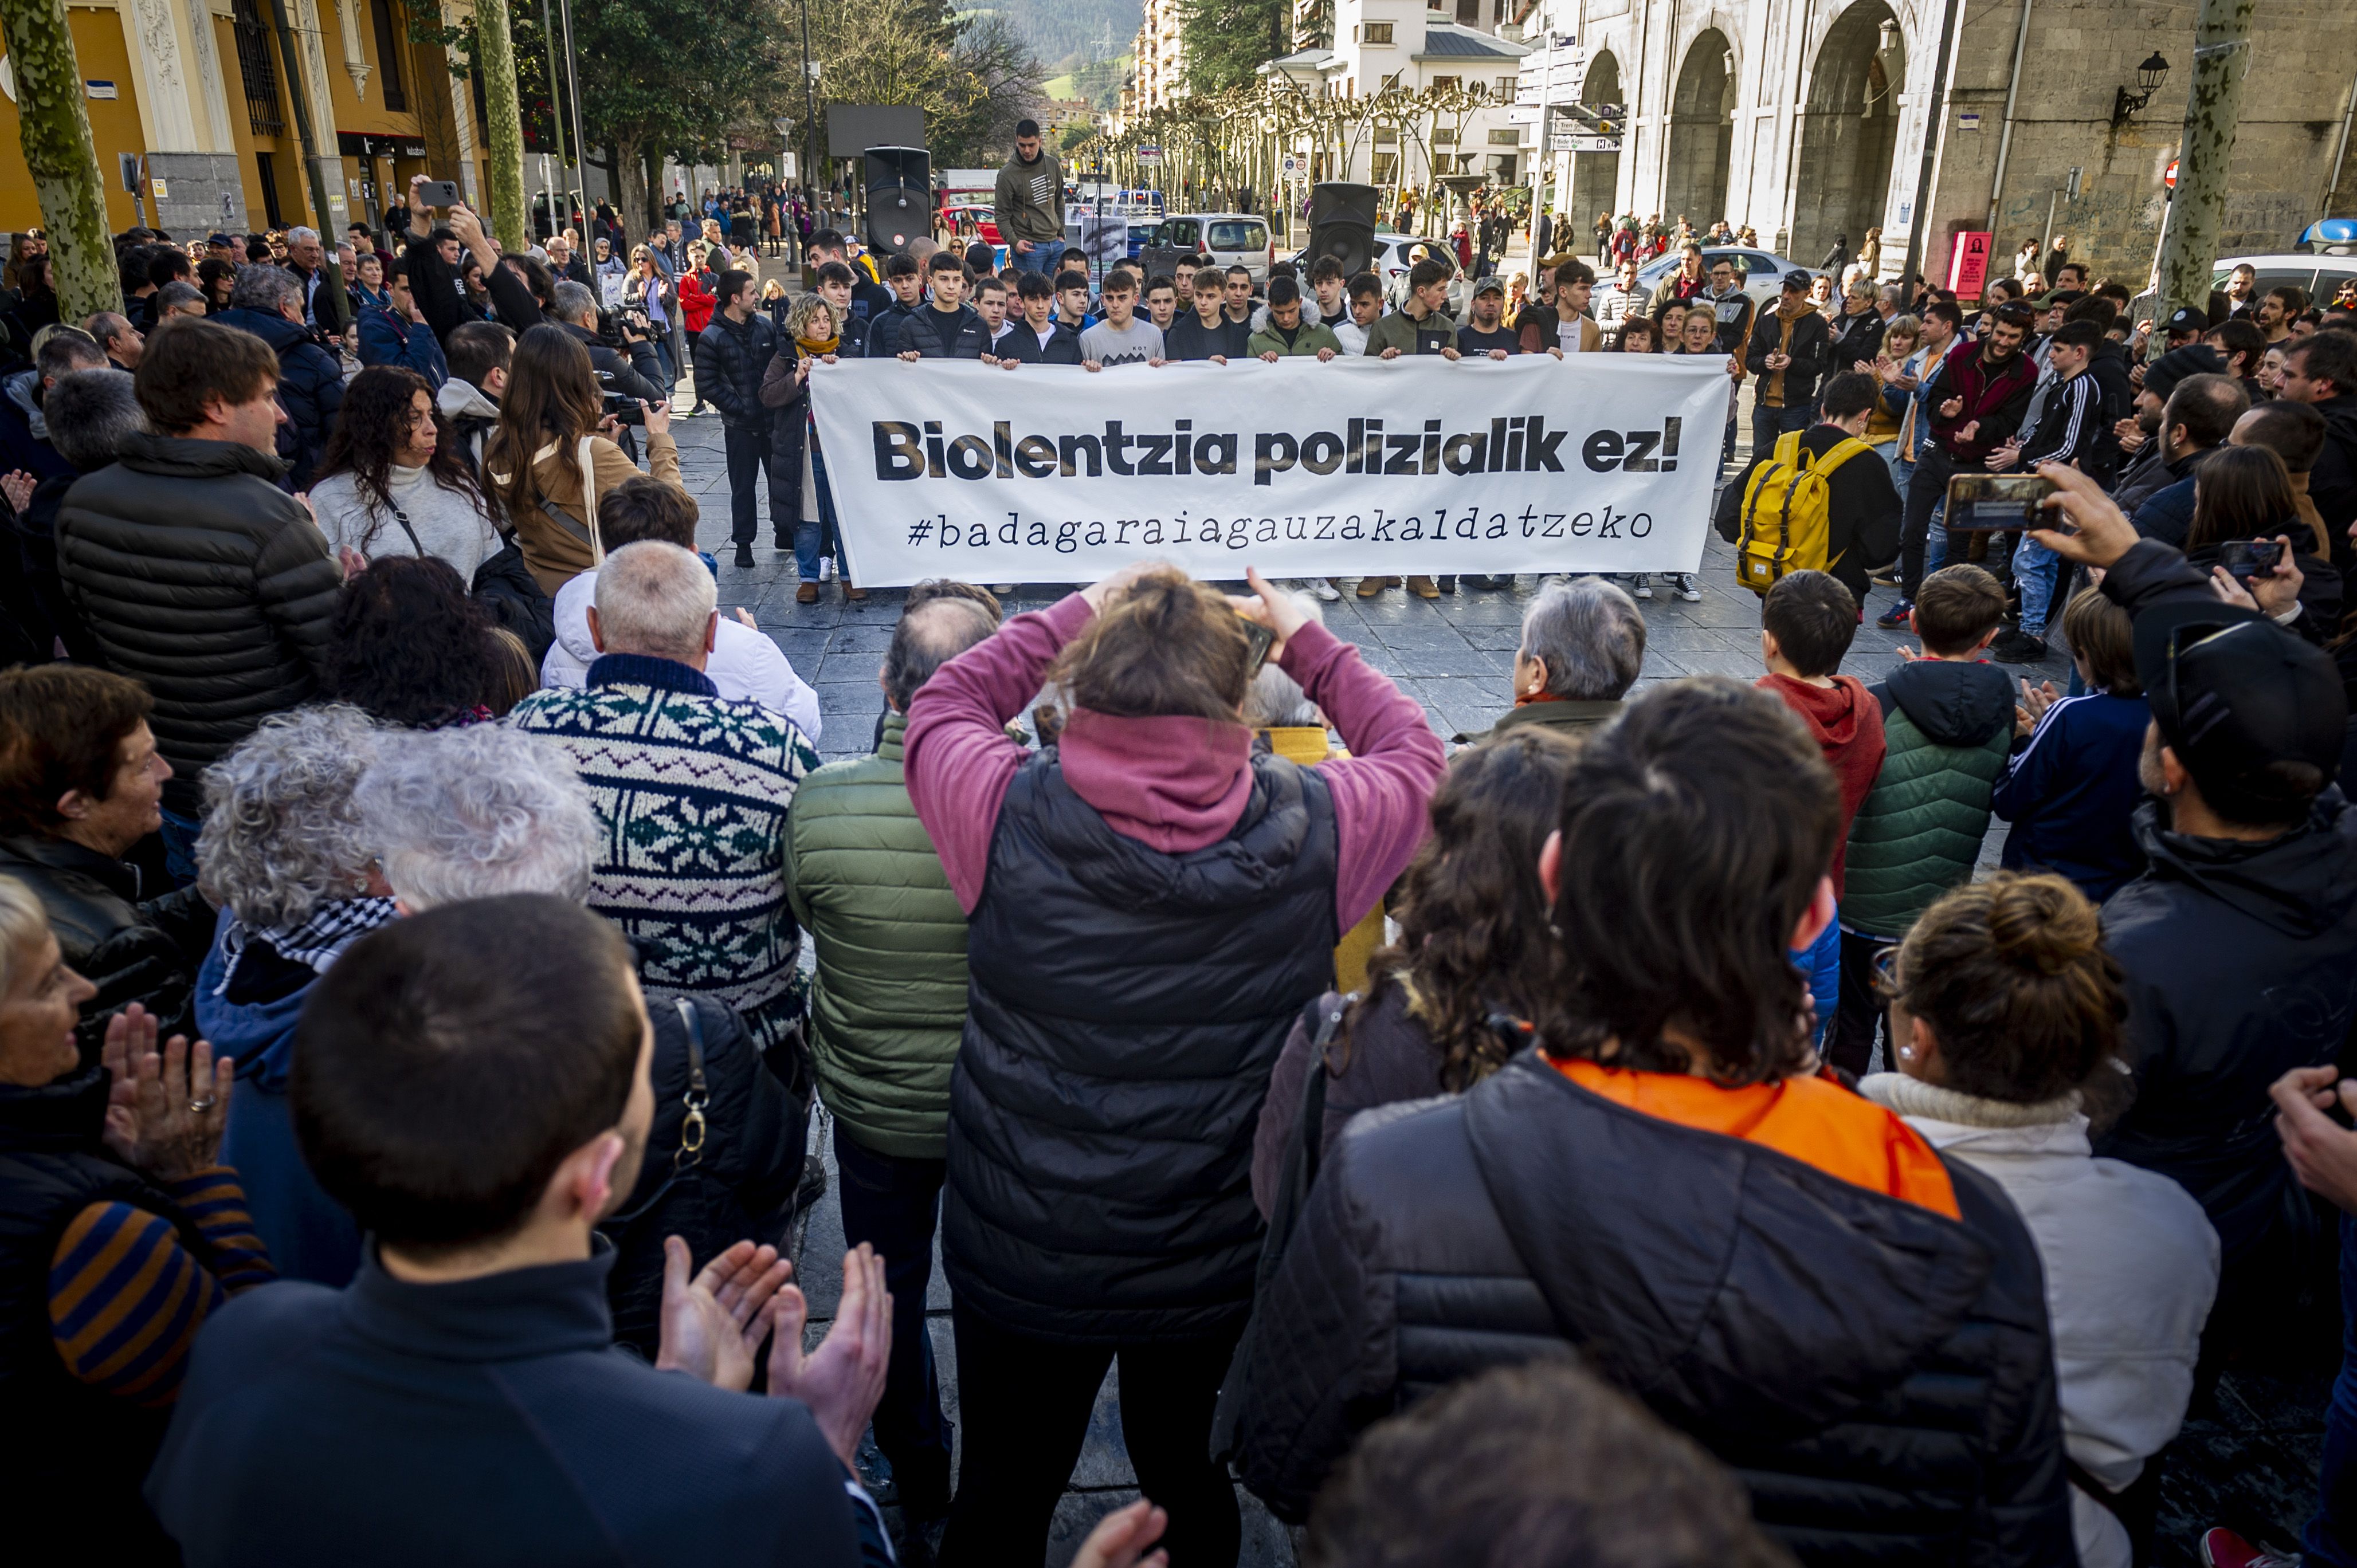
(2241, 962)
(1862, 516)
(2332, 482)
(1879, 1376)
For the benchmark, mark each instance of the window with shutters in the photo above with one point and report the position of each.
(254, 70)
(388, 57)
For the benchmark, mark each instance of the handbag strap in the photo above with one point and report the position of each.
(694, 1130)
(401, 518)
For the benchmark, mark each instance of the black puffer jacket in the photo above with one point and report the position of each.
(310, 388)
(1124, 1008)
(202, 579)
(1880, 1377)
(133, 950)
(945, 334)
(729, 359)
(738, 1186)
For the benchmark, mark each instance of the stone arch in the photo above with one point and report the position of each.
(1849, 131)
(1702, 133)
(1595, 177)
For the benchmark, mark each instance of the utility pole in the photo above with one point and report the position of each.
(327, 201)
(810, 129)
(555, 120)
(580, 147)
(2222, 44)
(62, 158)
(1934, 116)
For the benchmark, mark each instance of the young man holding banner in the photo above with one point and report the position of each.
(1420, 326)
(1121, 338)
(1208, 334)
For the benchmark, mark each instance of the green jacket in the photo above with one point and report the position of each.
(1312, 336)
(889, 1003)
(1948, 727)
(1397, 329)
(1571, 720)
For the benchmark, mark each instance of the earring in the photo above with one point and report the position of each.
(1906, 1053)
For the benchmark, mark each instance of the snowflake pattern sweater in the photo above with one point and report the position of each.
(693, 792)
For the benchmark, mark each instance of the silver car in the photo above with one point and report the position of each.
(1222, 239)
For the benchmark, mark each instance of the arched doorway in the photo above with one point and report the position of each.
(1702, 134)
(1850, 132)
(1595, 177)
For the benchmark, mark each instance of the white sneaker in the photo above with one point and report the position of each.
(1685, 584)
(827, 568)
(1327, 593)
(1643, 586)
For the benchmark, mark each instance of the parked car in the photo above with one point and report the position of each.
(1140, 236)
(2319, 277)
(975, 220)
(1220, 239)
(1762, 273)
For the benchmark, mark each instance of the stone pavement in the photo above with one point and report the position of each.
(2248, 1456)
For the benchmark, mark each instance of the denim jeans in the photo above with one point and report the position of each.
(1822, 962)
(1901, 470)
(894, 1204)
(1922, 543)
(1767, 423)
(814, 537)
(1040, 258)
(2036, 568)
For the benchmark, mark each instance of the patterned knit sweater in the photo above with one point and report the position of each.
(693, 792)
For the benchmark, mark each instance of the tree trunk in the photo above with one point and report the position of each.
(630, 190)
(2222, 56)
(503, 124)
(61, 156)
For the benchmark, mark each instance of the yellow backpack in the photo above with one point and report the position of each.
(1787, 512)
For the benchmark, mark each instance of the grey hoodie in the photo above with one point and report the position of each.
(471, 411)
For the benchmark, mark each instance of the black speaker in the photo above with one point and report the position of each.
(1343, 225)
(899, 196)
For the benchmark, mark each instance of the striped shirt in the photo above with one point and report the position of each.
(126, 1297)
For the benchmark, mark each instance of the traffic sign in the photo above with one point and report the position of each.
(2170, 178)
(1148, 154)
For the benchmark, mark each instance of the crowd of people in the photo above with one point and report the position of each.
(428, 933)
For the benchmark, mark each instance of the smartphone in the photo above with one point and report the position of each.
(2249, 558)
(1262, 640)
(439, 193)
(1984, 503)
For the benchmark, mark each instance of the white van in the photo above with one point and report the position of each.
(1222, 239)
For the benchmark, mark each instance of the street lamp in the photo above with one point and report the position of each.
(2149, 76)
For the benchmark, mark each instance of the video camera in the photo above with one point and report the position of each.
(618, 328)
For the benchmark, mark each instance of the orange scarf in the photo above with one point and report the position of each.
(1814, 1119)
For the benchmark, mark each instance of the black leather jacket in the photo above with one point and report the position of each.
(133, 950)
(1880, 1377)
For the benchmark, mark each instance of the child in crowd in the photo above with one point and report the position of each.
(1947, 719)
(2070, 790)
(1805, 626)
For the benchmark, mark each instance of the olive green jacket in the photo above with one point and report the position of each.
(1571, 720)
(889, 1003)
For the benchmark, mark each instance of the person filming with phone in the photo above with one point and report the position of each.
(1150, 904)
(2238, 942)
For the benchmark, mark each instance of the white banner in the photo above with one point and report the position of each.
(1053, 474)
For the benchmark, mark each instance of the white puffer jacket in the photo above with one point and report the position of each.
(745, 664)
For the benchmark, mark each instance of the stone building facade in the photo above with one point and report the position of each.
(1805, 119)
(197, 91)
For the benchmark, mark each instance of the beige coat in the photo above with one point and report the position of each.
(555, 551)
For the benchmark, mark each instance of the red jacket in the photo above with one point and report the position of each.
(696, 302)
(1846, 722)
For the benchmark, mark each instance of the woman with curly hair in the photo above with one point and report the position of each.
(394, 481)
(411, 648)
(2007, 1012)
(1469, 911)
(286, 857)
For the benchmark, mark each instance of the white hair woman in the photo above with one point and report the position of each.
(286, 857)
(96, 1349)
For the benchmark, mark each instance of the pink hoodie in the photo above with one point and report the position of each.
(1173, 784)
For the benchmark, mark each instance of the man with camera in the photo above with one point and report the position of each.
(621, 348)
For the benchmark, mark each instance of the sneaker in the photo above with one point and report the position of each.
(813, 1184)
(1318, 587)
(744, 557)
(2224, 1549)
(1899, 615)
(1643, 586)
(827, 568)
(1683, 582)
(2018, 647)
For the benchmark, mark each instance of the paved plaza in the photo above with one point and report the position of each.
(2247, 1458)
